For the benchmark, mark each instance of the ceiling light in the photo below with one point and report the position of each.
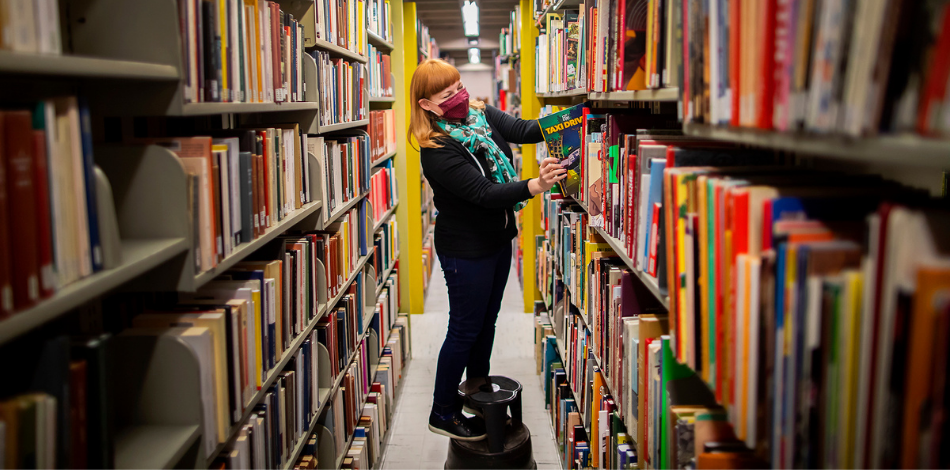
(474, 56)
(470, 18)
(472, 41)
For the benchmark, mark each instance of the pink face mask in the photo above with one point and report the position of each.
(455, 107)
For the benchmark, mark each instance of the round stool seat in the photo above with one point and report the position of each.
(517, 452)
(491, 389)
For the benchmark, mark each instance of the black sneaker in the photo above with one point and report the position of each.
(457, 427)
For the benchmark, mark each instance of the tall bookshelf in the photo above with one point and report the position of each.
(915, 159)
(134, 72)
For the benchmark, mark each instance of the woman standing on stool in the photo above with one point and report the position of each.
(467, 161)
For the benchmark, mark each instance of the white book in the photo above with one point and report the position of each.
(267, 67)
(234, 61)
(199, 167)
(69, 108)
(224, 291)
(24, 32)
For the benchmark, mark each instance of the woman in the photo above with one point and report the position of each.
(467, 161)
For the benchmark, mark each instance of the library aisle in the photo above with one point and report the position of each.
(412, 445)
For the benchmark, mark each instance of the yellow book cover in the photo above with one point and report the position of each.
(702, 284)
(680, 180)
(223, 21)
(851, 349)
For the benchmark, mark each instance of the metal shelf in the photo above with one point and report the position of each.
(287, 356)
(385, 218)
(344, 209)
(339, 127)
(905, 149)
(138, 257)
(660, 94)
(78, 66)
(647, 281)
(382, 99)
(333, 49)
(379, 288)
(244, 249)
(564, 94)
(204, 109)
(381, 160)
(378, 41)
(153, 446)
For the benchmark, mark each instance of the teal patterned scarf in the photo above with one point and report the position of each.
(475, 135)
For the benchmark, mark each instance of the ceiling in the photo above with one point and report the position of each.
(444, 20)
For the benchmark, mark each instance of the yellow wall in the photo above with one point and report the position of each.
(404, 60)
(530, 107)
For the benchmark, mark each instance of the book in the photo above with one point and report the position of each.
(562, 135)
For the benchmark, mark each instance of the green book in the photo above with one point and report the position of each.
(562, 134)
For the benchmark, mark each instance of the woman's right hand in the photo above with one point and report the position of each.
(551, 173)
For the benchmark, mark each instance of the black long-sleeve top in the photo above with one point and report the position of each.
(476, 216)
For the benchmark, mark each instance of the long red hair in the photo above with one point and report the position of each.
(430, 77)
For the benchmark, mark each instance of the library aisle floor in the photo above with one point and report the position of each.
(412, 445)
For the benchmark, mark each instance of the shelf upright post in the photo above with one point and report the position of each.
(530, 109)
(408, 169)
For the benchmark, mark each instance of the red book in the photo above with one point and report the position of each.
(276, 53)
(936, 82)
(766, 82)
(44, 232)
(630, 192)
(6, 264)
(21, 243)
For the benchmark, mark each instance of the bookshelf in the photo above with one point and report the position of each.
(904, 149)
(725, 337)
(125, 78)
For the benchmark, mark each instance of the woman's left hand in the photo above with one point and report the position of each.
(551, 173)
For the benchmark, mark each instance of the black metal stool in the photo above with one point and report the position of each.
(509, 443)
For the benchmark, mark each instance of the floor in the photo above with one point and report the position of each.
(411, 445)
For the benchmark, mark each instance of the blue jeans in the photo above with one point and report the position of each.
(476, 287)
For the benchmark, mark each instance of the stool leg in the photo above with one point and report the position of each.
(515, 410)
(495, 417)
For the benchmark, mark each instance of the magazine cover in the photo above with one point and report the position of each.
(562, 135)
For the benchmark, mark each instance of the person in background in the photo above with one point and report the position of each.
(468, 163)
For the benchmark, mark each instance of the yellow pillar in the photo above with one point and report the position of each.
(404, 61)
(530, 108)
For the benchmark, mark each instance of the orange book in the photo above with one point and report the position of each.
(930, 302)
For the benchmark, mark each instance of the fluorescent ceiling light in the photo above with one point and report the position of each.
(470, 18)
(474, 56)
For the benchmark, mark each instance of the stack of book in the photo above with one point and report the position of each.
(560, 54)
(241, 52)
(341, 93)
(49, 211)
(32, 26)
(382, 131)
(240, 184)
(379, 19)
(509, 39)
(382, 190)
(827, 67)
(387, 309)
(386, 241)
(428, 48)
(345, 164)
(342, 23)
(380, 74)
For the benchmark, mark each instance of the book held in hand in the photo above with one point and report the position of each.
(562, 135)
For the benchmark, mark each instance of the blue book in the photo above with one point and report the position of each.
(92, 212)
(655, 195)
